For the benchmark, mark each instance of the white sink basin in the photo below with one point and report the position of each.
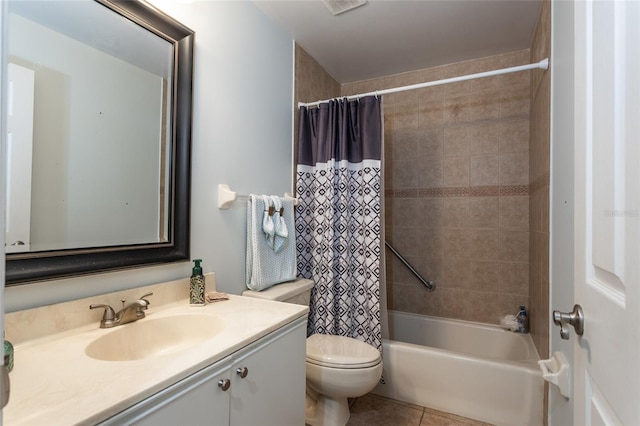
(151, 337)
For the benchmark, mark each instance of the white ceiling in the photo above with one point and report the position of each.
(386, 37)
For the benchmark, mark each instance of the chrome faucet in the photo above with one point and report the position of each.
(129, 313)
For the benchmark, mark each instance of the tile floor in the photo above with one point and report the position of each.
(374, 410)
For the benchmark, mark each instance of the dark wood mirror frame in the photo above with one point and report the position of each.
(29, 267)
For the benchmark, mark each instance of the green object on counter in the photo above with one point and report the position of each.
(8, 355)
(197, 285)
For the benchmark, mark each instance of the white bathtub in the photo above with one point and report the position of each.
(474, 370)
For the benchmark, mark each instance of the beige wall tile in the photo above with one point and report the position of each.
(514, 246)
(483, 212)
(484, 244)
(514, 278)
(514, 169)
(430, 143)
(535, 247)
(535, 211)
(404, 144)
(514, 213)
(455, 212)
(410, 298)
(403, 238)
(457, 110)
(429, 242)
(484, 138)
(443, 302)
(485, 276)
(431, 174)
(404, 211)
(456, 244)
(456, 273)
(402, 175)
(456, 140)
(515, 103)
(406, 115)
(514, 136)
(544, 208)
(429, 212)
(431, 113)
(456, 171)
(485, 170)
(484, 105)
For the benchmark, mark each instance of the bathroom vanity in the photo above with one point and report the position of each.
(240, 361)
(258, 385)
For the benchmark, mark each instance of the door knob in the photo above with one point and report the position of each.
(574, 318)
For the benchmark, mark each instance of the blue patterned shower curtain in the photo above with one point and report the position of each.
(338, 220)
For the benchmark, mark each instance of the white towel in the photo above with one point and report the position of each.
(270, 260)
(281, 233)
(268, 227)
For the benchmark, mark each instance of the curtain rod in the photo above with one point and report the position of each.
(543, 64)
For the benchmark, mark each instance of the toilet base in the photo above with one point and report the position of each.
(324, 411)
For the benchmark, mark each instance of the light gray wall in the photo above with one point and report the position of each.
(242, 136)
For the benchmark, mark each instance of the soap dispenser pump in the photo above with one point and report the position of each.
(196, 285)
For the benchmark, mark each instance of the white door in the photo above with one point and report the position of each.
(606, 361)
(19, 149)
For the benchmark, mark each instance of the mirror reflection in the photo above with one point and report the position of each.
(89, 128)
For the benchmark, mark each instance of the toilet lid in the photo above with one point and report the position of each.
(340, 352)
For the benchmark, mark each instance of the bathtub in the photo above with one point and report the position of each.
(470, 369)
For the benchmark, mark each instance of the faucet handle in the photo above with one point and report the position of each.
(144, 299)
(109, 313)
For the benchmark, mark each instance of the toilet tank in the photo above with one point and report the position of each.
(298, 292)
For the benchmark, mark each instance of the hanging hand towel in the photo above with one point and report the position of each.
(279, 225)
(266, 266)
(268, 227)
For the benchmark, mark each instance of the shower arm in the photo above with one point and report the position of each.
(430, 285)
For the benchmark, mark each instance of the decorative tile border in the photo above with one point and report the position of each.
(463, 191)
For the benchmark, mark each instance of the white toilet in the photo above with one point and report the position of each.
(337, 367)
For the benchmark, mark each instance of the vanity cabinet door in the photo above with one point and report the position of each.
(196, 400)
(272, 393)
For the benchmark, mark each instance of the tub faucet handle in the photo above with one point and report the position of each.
(565, 319)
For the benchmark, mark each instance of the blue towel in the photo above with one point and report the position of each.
(271, 256)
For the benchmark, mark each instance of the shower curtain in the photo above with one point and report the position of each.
(338, 221)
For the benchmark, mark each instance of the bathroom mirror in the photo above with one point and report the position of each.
(98, 138)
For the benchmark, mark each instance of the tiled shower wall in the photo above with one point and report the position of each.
(457, 189)
(456, 184)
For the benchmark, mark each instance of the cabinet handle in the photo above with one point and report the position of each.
(224, 384)
(242, 372)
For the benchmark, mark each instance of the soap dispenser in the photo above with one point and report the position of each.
(196, 285)
(8, 354)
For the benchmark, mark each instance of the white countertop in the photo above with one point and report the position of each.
(55, 383)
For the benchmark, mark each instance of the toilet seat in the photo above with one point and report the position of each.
(340, 352)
